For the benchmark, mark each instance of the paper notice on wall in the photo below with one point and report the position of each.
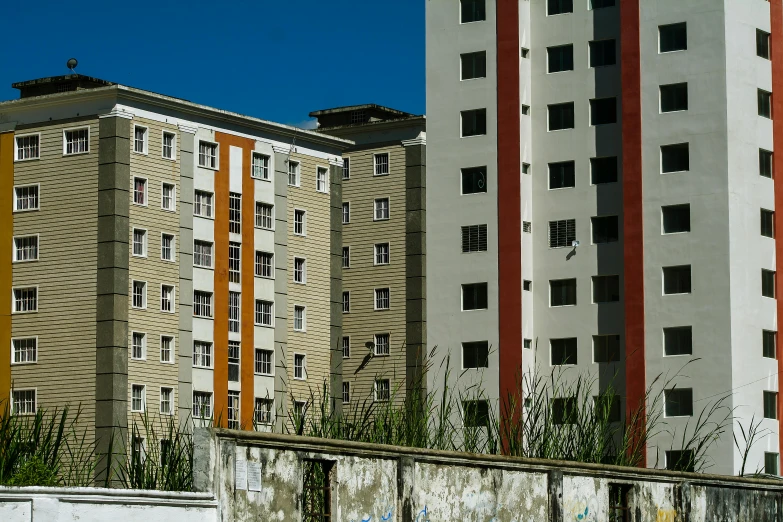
(254, 476)
(240, 477)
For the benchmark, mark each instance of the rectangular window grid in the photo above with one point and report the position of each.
(264, 264)
(165, 400)
(321, 179)
(381, 209)
(263, 411)
(474, 238)
(168, 197)
(263, 362)
(137, 398)
(235, 213)
(207, 155)
(233, 361)
(202, 354)
(299, 366)
(299, 270)
(562, 233)
(293, 173)
(166, 298)
(381, 298)
(140, 139)
(299, 318)
(263, 313)
(382, 344)
(25, 300)
(168, 145)
(346, 257)
(264, 216)
(139, 242)
(202, 405)
(346, 347)
(346, 213)
(202, 204)
(138, 346)
(77, 141)
(234, 256)
(28, 147)
(299, 222)
(202, 254)
(167, 247)
(202, 304)
(382, 253)
(260, 166)
(26, 198)
(233, 311)
(166, 349)
(346, 392)
(140, 191)
(382, 390)
(346, 168)
(25, 350)
(24, 402)
(26, 248)
(139, 294)
(381, 164)
(233, 410)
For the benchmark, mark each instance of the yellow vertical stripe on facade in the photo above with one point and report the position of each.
(6, 237)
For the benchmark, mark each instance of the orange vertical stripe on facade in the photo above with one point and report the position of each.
(220, 313)
(6, 239)
(509, 211)
(776, 23)
(247, 319)
(633, 232)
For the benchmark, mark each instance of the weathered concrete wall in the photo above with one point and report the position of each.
(370, 483)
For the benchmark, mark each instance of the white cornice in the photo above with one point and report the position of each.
(187, 128)
(283, 150)
(421, 139)
(337, 162)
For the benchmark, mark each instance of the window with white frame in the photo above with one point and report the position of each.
(166, 395)
(264, 217)
(202, 354)
(233, 410)
(26, 248)
(321, 179)
(381, 298)
(139, 191)
(346, 392)
(264, 312)
(139, 294)
(166, 349)
(260, 166)
(382, 344)
(24, 402)
(235, 213)
(300, 225)
(169, 145)
(299, 318)
(202, 304)
(264, 264)
(139, 242)
(263, 412)
(293, 173)
(202, 204)
(77, 141)
(346, 168)
(381, 209)
(167, 247)
(382, 390)
(202, 254)
(234, 350)
(166, 298)
(233, 311)
(346, 257)
(25, 350)
(28, 147)
(346, 212)
(381, 164)
(168, 197)
(140, 139)
(234, 256)
(25, 198)
(346, 347)
(300, 273)
(207, 154)
(263, 361)
(202, 405)
(138, 346)
(138, 397)
(562, 233)
(300, 371)
(346, 302)
(25, 300)
(382, 253)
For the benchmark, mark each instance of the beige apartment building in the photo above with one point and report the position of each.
(383, 251)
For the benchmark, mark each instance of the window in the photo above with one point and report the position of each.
(264, 264)
(346, 257)
(168, 197)
(475, 354)
(263, 362)
(771, 463)
(300, 273)
(25, 350)
(527, 344)
(139, 242)
(26, 198)
(165, 400)
(382, 253)
(769, 344)
(264, 216)
(672, 37)
(474, 122)
(564, 410)
(527, 227)
(607, 407)
(767, 223)
(525, 168)
(765, 163)
(603, 170)
(263, 411)
(381, 209)
(166, 298)
(474, 65)
(346, 392)
(207, 155)
(381, 298)
(474, 238)
(526, 110)
(166, 349)
(77, 141)
(560, 58)
(765, 103)
(475, 414)
(603, 111)
(139, 294)
(562, 292)
(474, 296)
(561, 116)
(321, 179)
(234, 256)
(606, 348)
(472, 11)
(138, 398)
(606, 289)
(28, 147)
(563, 351)
(562, 175)
(233, 410)
(25, 300)
(602, 53)
(202, 304)
(346, 347)
(234, 213)
(680, 460)
(202, 254)
(382, 344)
(202, 354)
(299, 366)
(768, 283)
(169, 140)
(346, 302)
(674, 97)
(677, 279)
(202, 405)
(675, 158)
(381, 164)
(202, 204)
(474, 180)
(555, 7)
(260, 166)
(346, 213)
(167, 247)
(346, 168)
(299, 318)
(26, 248)
(382, 390)
(678, 340)
(527, 285)
(599, 4)
(605, 229)
(234, 299)
(233, 361)
(140, 139)
(562, 233)
(762, 44)
(138, 346)
(263, 313)
(24, 402)
(676, 219)
(678, 402)
(770, 405)
(139, 191)
(293, 173)
(300, 227)
(359, 116)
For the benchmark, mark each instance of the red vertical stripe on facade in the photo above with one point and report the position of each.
(776, 22)
(633, 240)
(509, 209)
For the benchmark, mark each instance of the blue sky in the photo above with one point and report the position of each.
(273, 60)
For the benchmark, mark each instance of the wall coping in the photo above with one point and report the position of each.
(109, 496)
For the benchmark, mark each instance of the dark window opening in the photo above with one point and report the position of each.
(606, 348)
(765, 163)
(474, 296)
(677, 279)
(561, 116)
(606, 229)
(475, 354)
(770, 405)
(674, 97)
(555, 7)
(769, 341)
(678, 340)
(562, 292)
(602, 53)
(560, 58)
(474, 65)
(675, 158)
(765, 103)
(473, 11)
(474, 122)
(606, 289)
(680, 460)
(672, 37)
(676, 219)
(562, 174)
(563, 351)
(768, 283)
(475, 414)
(317, 491)
(678, 402)
(603, 170)
(564, 410)
(474, 180)
(603, 111)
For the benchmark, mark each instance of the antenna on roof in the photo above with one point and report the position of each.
(71, 64)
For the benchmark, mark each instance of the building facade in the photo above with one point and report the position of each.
(615, 158)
